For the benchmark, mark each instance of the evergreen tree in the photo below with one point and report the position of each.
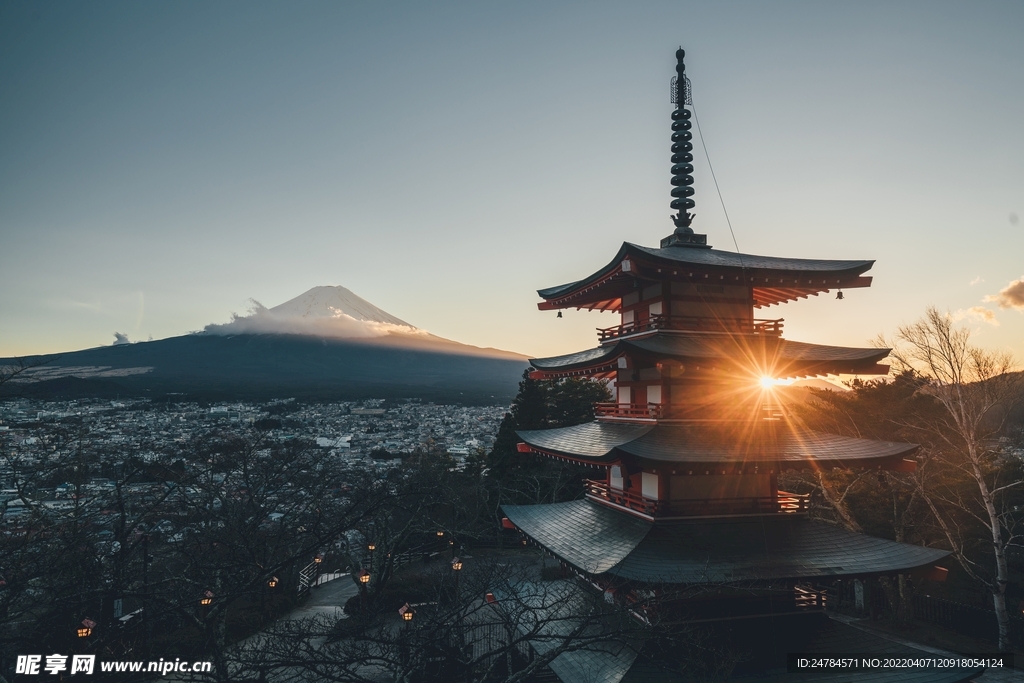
(541, 404)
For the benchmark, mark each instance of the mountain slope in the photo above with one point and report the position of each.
(259, 366)
(327, 343)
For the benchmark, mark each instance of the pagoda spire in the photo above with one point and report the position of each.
(682, 161)
(682, 148)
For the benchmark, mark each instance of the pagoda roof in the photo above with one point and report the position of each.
(762, 446)
(774, 279)
(596, 539)
(779, 357)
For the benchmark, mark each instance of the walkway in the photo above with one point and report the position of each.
(326, 598)
(990, 675)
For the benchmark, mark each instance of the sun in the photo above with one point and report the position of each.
(770, 382)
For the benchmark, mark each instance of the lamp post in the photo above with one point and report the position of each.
(457, 569)
(371, 547)
(364, 579)
(204, 604)
(406, 613)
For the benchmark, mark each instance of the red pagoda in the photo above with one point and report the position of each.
(686, 500)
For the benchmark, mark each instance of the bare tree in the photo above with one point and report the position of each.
(18, 372)
(500, 625)
(976, 390)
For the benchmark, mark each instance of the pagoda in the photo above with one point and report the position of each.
(685, 503)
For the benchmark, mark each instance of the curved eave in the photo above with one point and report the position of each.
(585, 443)
(730, 448)
(773, 280)
(778, 357)
(597, 540)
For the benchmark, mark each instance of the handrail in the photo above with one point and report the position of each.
(771, 328)
(660, 411)
(783, 503)
(635, 410)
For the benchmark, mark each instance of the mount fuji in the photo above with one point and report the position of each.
(320, 312)
(332, 302)
(327, 343)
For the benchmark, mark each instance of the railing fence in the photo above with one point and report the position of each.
(968, 620)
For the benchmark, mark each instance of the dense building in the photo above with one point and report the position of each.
(684, 522)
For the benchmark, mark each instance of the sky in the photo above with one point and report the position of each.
(162, 163)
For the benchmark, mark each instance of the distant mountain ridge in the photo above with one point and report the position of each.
(327, 343)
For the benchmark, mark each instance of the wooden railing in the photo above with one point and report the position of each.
(628, 499)
(772, 328)
(658, 411)
(809, 598)
(783, 503)
(649, 411)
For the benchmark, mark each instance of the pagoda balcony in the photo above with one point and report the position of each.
(768, 328)
(800, 599)
(633, 411)
(783, 503)
(657, 411)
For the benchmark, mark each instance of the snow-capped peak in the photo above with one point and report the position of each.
(333, 302)
(333, 312)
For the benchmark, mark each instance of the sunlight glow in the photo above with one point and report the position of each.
(771, 382)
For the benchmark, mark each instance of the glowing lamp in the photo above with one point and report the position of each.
(206, 599)
(364, 577)
(406, 612)
(456, 564)
(85, 630)
(318, 559)
(440, 534)
(273, 582)
(371, 547)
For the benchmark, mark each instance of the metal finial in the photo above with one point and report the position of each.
(682, 159)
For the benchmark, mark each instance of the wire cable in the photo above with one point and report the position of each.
(714, 178)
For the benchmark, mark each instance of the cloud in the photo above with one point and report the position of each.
(120, 338)
(976, 313)
(1010, 296)
(983, 314)
(337, 324)
(976, 280)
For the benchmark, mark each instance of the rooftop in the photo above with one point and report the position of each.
(714, 446)
(774, 279)
(597, 540)
(777, 357)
